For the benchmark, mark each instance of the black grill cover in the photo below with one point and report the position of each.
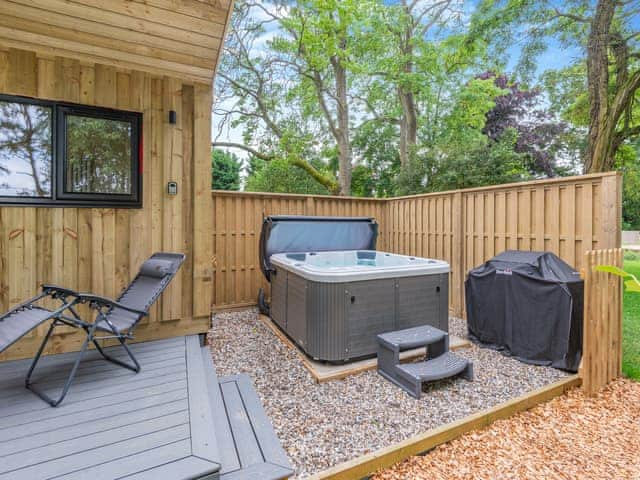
(296, 233)
(528, 304)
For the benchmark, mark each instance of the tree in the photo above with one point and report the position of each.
(608, 33)
(225, 170)
(254, 92)
(479, 164)
(327, 69)
(375, 144)
(409, 34)
(463, 155)
(298, 88)
(630, 166)
(98, 155)
(612, 35)
(539, 134)
(280, 176)
(322, 36)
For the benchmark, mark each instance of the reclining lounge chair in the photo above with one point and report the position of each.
(114, 319)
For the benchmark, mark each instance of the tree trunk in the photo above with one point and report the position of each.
(598, 156)
(408, 126)
(409, 119)
(343, 140)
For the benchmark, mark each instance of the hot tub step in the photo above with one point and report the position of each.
(446, 365)
(411, 376)
(440, 362)
(410, 338)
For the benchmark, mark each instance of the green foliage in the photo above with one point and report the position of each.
(631, 255)
(477, 164)
(375, 144)
(630, 167)
(631, 316)
(362, 182)
(280, 69)
(225, 170)
(468, 115)
(631, 327)
(631, 283)
(279, 176)
(412, 179)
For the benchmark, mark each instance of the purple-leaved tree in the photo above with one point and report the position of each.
(539, 133)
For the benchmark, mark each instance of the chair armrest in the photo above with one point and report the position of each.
(107, 302)
(48, 289)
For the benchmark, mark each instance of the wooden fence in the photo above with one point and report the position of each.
(237, 219)
(602, 339)
(567, 216)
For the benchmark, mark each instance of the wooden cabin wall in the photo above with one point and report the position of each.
(101, 249)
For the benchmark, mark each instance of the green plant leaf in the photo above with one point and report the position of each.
(632, 285)
(614, 270)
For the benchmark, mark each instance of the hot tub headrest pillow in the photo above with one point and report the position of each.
(156, 268)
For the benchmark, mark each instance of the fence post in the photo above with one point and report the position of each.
(457, 255)
(611, 212)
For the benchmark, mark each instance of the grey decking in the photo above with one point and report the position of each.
(114, 423)
(249, 448)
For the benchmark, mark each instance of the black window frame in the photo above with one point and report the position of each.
(58, 197)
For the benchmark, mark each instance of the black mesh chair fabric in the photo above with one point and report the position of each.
(117, 319)
(18, 323)
(154, 276)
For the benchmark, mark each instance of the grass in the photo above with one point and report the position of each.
(631, 322)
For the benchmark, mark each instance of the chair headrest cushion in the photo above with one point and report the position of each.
(156, 268)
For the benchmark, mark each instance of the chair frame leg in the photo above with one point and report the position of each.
(65, 389)
(135, 367)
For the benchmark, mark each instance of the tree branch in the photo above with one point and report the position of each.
(324, 180)
(262, 156)
(624, 96)
(571, 16)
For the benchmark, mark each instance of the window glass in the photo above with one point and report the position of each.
(97, 155)
(26, 155)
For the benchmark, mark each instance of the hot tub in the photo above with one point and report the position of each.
(333, 304)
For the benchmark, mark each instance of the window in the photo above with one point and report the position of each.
(25, 150)
(54, 153)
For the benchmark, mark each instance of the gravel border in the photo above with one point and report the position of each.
(321, 425)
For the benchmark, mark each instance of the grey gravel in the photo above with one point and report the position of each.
(321, 425)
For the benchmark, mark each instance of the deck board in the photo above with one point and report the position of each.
(246, 443)
(114, 423)
(134, 396)
(253, 450)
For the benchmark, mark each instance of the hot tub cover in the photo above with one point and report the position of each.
(298, 233)
(528, 304)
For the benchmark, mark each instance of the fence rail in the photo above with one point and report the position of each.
(567, 216)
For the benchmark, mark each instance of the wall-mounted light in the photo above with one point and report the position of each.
(172, 188)
(172, 117)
